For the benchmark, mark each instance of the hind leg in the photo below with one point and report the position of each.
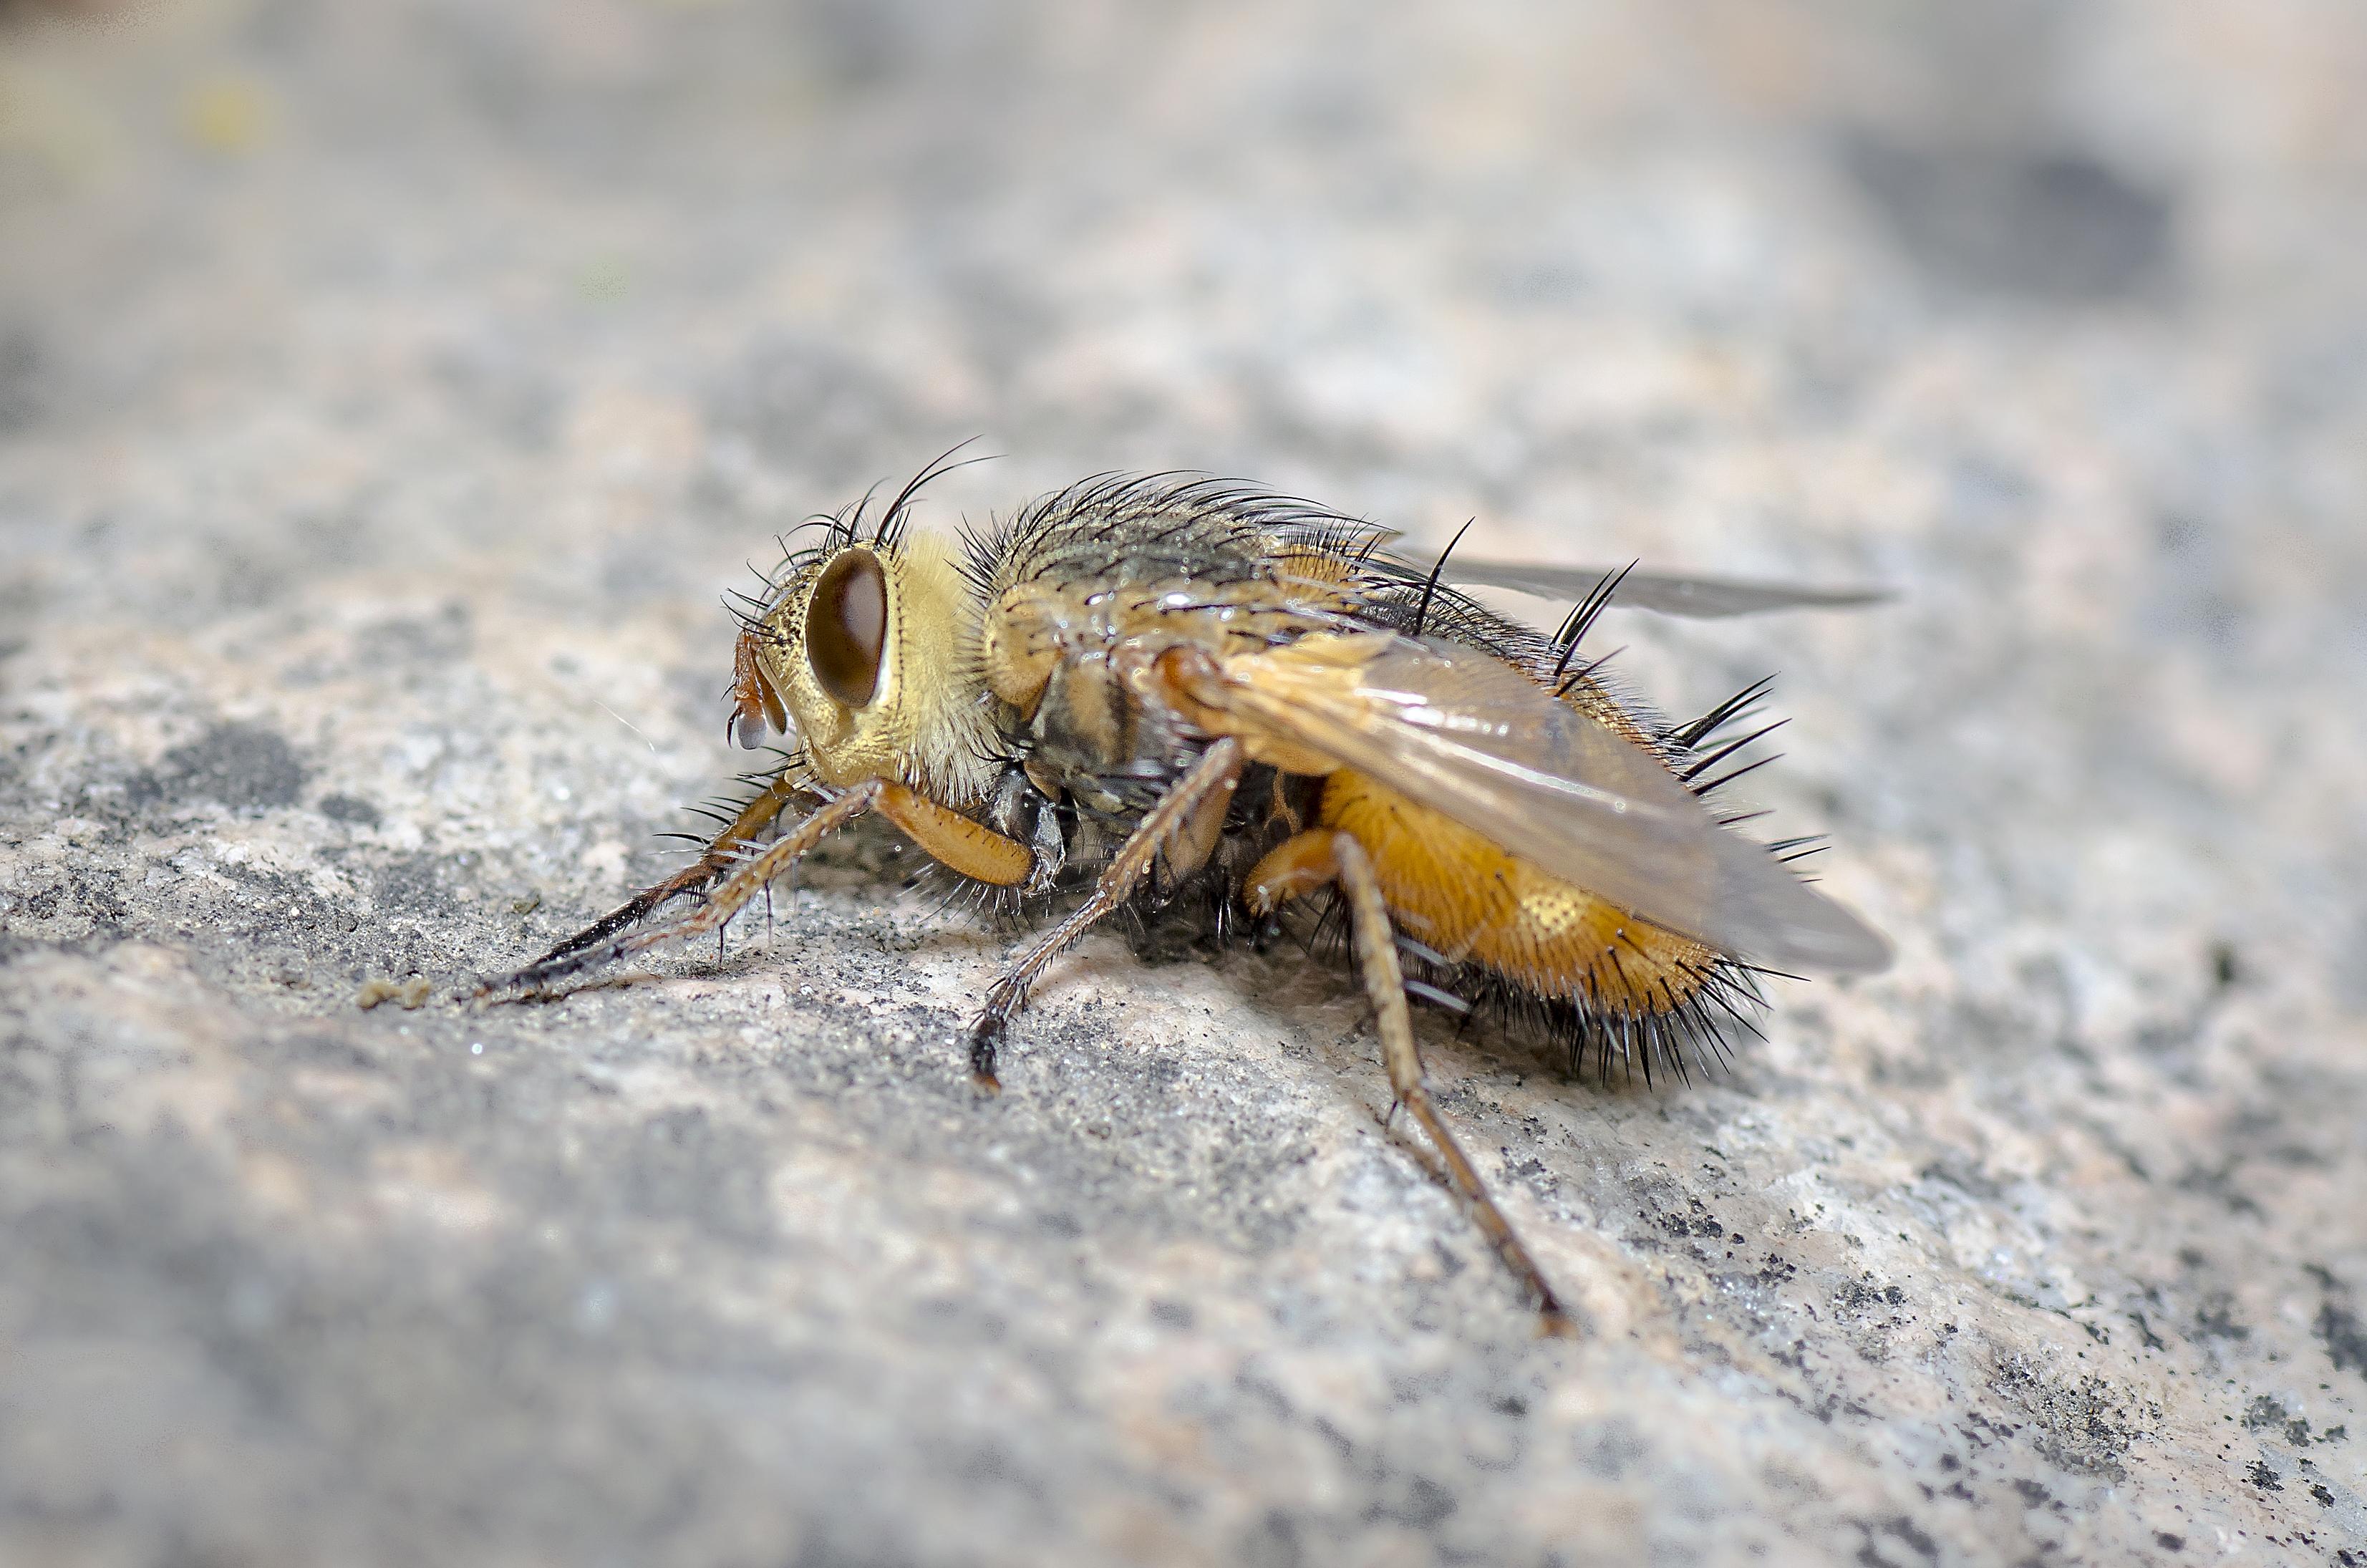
(1327, 856)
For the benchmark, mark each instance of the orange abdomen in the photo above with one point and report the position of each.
(1453, 889)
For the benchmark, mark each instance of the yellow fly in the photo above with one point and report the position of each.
(1141, 687)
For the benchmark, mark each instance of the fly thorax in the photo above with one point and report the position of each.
(1082, 726)
(1093, 738)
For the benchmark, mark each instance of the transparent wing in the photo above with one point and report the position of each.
(1670, 594)
(1472, 738)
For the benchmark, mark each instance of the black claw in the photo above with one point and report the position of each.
(531, 984)
(984, 1036)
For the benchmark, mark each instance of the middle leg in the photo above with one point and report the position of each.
(1175, 824)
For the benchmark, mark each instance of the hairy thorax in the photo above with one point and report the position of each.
(1071, 651)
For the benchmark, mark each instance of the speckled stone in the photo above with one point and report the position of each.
(387, 394)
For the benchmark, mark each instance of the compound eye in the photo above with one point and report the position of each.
(846, 628)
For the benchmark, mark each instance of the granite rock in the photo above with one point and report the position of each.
(388, 391)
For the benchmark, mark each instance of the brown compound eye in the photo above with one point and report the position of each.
(846, 628)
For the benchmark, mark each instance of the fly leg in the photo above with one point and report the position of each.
(1322, 857)
(729, 848)
(749, 875)
(967, 845)
(1175, 829)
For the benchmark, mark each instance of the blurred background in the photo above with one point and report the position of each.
(1646, 274)
(389, 388)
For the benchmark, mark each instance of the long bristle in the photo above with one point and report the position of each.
(1582, 616)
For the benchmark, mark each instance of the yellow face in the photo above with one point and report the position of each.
(869, 660)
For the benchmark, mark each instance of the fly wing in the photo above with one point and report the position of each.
(1471, 737)
(1670, 594)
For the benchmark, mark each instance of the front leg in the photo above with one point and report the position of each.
(730, 848)
(1174, 828)
(967, 847)
(749, 876)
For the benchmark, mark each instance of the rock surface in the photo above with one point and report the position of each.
(388, 391)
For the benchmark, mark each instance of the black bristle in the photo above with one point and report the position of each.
(1703, 764)
(1430, 584)
(1563, 687)
(893, 522)
(1724, 713)
(1722, 779)
(1582, 616)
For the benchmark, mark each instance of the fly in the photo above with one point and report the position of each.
(1159, 692)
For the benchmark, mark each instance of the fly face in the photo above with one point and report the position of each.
(817, 663)
(866, 656)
